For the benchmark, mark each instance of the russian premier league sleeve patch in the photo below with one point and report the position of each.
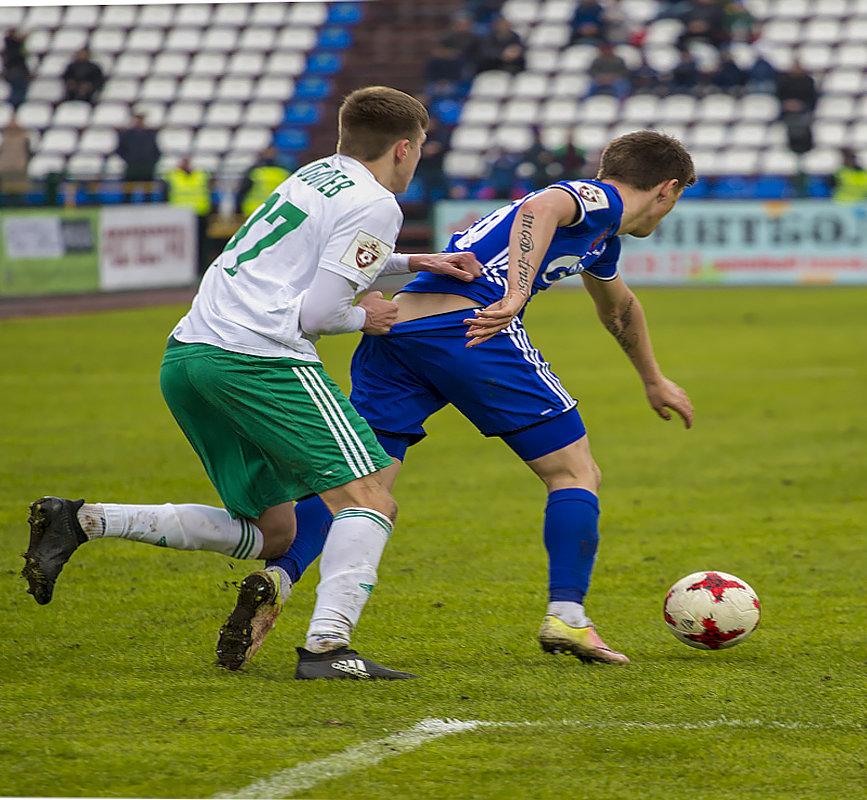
(593, 196)
(367, 254)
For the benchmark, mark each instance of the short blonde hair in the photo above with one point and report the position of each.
(372, 119)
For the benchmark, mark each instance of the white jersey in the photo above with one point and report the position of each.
(331, 214)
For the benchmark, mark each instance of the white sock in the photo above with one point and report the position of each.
(285, 581)
(570, 613)
(347, 568)
(181, 527)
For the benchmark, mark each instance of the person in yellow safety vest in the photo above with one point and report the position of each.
(191, 188)
(261, 179)
(850, 179)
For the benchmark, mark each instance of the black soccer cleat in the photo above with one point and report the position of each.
(256, 610)
(55, 533)
(343, 664)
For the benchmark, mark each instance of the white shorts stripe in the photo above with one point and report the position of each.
(350, 443)
(531, 355)
(365, 458)
(351, 457)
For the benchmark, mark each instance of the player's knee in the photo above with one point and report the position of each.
(276, 542)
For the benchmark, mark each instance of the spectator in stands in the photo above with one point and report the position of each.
(137, 146)
(502, 48)
(501, 173)
(539, 164)
(15, 70)
(483, 11)
(588, 23)
(463, 39)
(15, 155)
(572, 159)
(621, 26)
(685, 77)
(644, 79)
(608, 73)
(444, 72)
(261, 179)
(187, 187)
(430, 165)
(797, 93)
(742, 26)
(83, 78)
(762, 75)
(728, 76)
(706, 21)
(850, 179)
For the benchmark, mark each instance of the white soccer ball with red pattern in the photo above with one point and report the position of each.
(711, 610)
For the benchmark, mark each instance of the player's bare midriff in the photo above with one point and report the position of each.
(414, 305)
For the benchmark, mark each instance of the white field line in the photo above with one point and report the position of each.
(306, 775)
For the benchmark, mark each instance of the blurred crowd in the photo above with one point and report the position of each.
(481, 39)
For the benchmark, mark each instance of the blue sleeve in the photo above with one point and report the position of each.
(605, 268)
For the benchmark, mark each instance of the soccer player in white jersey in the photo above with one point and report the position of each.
(465, 344)
(242, 377)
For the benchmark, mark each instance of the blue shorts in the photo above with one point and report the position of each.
(503, 386)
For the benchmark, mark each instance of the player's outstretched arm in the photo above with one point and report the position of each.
(463, 266)
(531, 234)
(622, 315)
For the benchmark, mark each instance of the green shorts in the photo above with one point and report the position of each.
(268, 430)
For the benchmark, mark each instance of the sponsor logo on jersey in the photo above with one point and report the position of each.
(366, 253)
(593, 196)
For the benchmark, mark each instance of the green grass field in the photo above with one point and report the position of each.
(110, 690)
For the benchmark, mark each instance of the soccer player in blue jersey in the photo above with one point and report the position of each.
(465, 344)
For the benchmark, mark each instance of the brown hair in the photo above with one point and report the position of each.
(645, 159)
(372, 119)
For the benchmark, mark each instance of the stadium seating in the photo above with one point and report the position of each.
(214, 79)
(730, 135)
(221, 81)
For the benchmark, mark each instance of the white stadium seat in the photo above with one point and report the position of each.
(212, 140)
(49, 90)
(274, 87)
(85, 165)
(157, 16)
(480, 112)
(193, 14)
(34, 115)
(258, 38)
(59, 140)
(196, 88)
(172, 65)
(175, 140)
(223, 114)
(493, 83)
(262, 112)
(108, 114)
(98, 140)
(459, 164)
(476, 138)
(183, 40)
(44, 163)
(251, 139)
(308, 13)
(144, 40)
(73, 114)
(234, 88)
(185, 115)
(107, 40)
(68, 40)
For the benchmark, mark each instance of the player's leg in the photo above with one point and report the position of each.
(313, 518)
(237, 468)
(364, 513)
(571, 534)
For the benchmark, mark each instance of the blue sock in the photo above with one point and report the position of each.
(571, 539)
(312, 521)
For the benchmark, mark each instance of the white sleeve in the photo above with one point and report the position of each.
(361, 241)
(397, 264)
(326, 307)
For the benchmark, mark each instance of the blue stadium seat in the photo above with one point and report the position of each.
(334, 38)
(699, 190)
(734, 187)
(302, 113)
(415, 193)
(292, 139)
(817, 186)
(312, 88)
(324, 63)
(772, 187)
(447, 111)
(344, 12)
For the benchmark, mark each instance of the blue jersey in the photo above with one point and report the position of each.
(590, 244)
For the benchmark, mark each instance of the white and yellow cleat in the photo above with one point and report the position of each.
(556, 636)
(256, 610)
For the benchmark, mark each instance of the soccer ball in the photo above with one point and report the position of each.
(711, 610)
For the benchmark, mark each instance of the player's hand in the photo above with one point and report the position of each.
(463, 266)
(381, 314)
(665, 394)
(494, 318)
